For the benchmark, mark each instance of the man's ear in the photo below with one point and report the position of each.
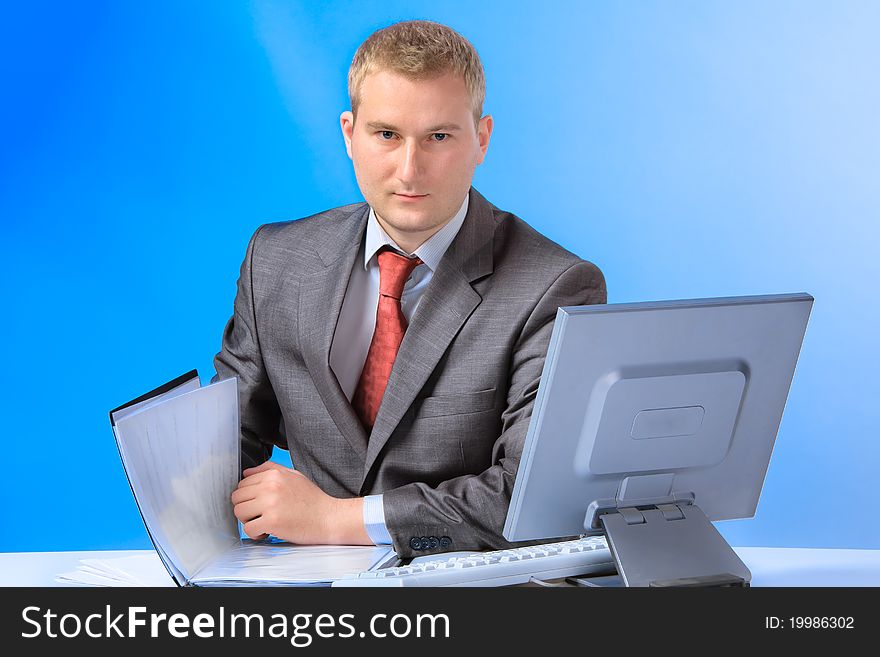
(484, 132)
(346, 122)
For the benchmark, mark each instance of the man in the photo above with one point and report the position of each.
(395, 347)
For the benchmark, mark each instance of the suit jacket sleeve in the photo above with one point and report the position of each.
(240, 356)
(471, 509)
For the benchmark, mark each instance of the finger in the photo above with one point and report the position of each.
(254, 479)
(247, 511)
(263, 467)
(244, 494)
(255, 528)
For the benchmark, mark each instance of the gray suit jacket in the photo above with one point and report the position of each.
(450, 430)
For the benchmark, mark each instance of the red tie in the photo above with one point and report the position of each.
(394, 269)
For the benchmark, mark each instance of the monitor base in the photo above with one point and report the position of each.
(671, 545)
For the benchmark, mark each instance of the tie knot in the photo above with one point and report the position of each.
(394, 269)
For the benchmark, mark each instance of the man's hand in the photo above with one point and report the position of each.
(272, 499)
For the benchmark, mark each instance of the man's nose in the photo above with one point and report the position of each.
(409, 166)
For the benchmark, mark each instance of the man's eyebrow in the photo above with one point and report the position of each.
(443, 127)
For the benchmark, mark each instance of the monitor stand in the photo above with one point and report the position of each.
(668, 545)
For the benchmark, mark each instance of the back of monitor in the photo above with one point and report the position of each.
(653, 403)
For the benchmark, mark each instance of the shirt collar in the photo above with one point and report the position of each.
(430, 252)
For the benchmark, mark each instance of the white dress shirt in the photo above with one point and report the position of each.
(357, 321)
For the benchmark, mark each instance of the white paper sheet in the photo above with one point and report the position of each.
(134, 570)
(285, 564)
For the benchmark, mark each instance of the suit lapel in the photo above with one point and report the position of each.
(445, 306)
(320, 302)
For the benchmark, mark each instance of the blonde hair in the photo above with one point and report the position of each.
(418, 50)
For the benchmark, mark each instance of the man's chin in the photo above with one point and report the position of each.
(409, 220)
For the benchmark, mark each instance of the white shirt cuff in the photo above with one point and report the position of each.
(374, 520)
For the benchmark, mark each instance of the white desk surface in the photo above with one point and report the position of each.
(769, 566)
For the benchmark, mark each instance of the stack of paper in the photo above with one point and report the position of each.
(134, 570)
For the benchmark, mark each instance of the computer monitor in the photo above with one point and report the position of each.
(653, 419)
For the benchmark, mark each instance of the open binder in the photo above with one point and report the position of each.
(179, 446)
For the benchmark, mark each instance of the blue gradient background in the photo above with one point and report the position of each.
(690, 149)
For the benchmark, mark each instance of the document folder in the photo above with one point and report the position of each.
(179, 446)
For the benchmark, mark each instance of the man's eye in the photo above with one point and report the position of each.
(440, 136)
(386, 134)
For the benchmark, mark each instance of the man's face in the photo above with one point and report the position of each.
(414, 148)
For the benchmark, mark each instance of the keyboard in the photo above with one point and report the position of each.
(583, 556)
